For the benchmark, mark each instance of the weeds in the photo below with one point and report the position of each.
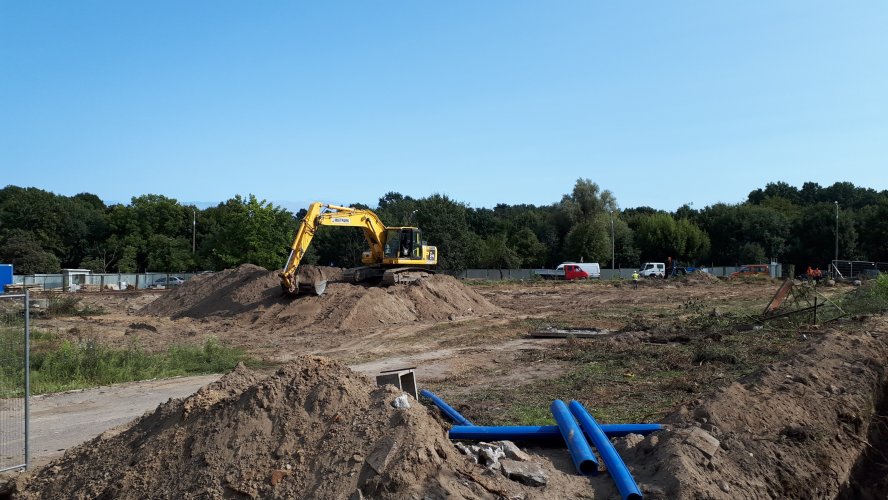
(631, 381)
(60, 366)
(870, 298)
(67, 305)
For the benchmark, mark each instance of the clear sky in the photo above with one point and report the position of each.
(663, 103)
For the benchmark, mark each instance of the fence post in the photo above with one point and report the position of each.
(27, 377)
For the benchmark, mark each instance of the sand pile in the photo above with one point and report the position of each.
(252, 295)
(314, 429)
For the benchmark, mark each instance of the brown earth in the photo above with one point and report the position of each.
(314, 429)
(251, 295)
(798, 428)
(810, 425)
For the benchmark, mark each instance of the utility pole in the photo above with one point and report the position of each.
(193, 230)
(613, 244)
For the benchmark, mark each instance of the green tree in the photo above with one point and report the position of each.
(815, 236)
(495, 253)
(582, 222)
(873, 230)
(627, 253)
(589, 241)
(659, 236)
(144, 230)
(23, 251)
(444, 225)
(528, 249)
(164, 253)
(752, 253)
(249, 230)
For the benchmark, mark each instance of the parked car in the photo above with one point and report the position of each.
(172, 281)
(653, 269)
(752, 270)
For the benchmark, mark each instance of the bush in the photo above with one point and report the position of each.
(69, 305)
(870, 298)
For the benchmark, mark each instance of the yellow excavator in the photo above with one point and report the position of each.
(396, 255)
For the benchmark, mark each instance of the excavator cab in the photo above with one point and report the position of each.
(403, 243)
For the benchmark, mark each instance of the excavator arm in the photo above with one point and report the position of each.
(329, 215)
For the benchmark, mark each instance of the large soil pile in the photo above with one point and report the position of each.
(809, 426)
(252, 295)
(314, 429)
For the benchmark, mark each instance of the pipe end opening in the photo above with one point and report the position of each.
(588, 468)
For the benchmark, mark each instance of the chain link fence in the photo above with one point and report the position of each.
(14, 381)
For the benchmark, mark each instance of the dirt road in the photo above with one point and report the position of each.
(60, 421)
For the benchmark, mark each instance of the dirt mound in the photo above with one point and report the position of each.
(802, 427)
(314, 429)
(252, 295)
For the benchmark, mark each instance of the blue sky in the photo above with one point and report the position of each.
(663, 103)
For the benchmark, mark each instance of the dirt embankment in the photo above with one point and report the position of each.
(251, 295)
(802, 427)
(314, 429)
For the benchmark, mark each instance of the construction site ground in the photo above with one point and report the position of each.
(793, 408)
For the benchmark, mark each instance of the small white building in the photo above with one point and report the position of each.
(72, 279)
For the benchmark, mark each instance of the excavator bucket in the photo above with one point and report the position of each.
(298, 285)
(313, 287)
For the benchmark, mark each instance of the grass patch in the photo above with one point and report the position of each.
(66, 365)
(632, 381)
(715, 354)
(68, 305)
(531, 415)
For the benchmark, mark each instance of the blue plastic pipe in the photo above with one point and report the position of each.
(615, 465)
(446, 408)
(540, 432)
(577, 445)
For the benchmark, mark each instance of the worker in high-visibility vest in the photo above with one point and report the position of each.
(635, 277)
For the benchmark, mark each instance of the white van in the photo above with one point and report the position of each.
(657, 269)
(590, 269)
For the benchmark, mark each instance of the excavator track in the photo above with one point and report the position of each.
(402, 275)
(361, 274)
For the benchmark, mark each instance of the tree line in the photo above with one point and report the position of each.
(42, 232)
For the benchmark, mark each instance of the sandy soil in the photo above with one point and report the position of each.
(827, 401)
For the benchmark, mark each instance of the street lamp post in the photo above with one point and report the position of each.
(193, 230)
(837, 233)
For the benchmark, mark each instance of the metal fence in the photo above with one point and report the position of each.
(859, 268)
(104, 281)
(15, 387)
(606, 274)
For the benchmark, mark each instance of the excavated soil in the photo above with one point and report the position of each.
(811, 426)
(314, 429)
(814, 425)
(252, 295)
